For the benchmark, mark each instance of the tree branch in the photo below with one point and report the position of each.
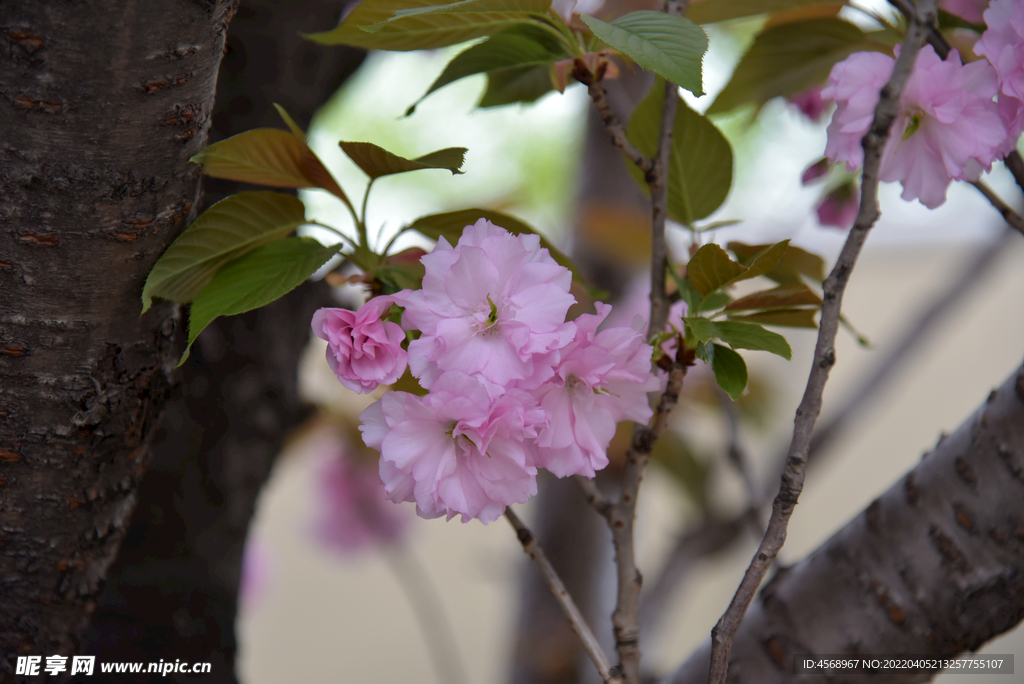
(579, 625)
(931, 567)
(824, 354)
(1013, 219)
(615, 128)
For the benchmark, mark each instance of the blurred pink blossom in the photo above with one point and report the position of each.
(811, 103)
(1003, 45)
(815, 171)
(948, 126)
(362, 350)
(969, 10)
(353, 513)
(838, 209)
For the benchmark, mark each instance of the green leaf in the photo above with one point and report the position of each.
(730, 371)
(742, 335)
(763, 262)
(451, 224)
(790, 58)
(373, 24)
(715, 300)
(516, 85)
(227, 230)
(523, 46)
(256, 279)
(700, 162)
(710, 268)
(785, 318)
(794, 263)
(267, 156)
(396, 277)
(711, 11)
(701, 329)
(375, 161)
(783, 296)
(665, 44)
(706, 352)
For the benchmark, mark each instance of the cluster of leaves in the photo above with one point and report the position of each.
(241, 253)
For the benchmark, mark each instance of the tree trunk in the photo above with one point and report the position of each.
(173, 592)
(933, 567)
(101, 110)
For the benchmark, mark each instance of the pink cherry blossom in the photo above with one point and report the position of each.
(970, 10)
(815, 171)
(353, 511)
(1003, 45)
(456, 451)
(494, 306)
(839, 207)
(602, 379)
(811, 103)
(362, 350)
(948, 126)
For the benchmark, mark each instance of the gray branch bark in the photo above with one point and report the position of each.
(934, 566)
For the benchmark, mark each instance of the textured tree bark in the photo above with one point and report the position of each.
(101, 108)
(935, 566)
(173, 591)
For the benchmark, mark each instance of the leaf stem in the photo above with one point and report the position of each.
(334, 230)
(791, 486)
(361, 222)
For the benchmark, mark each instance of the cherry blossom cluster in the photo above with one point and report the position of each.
(954, 119)
(511, 386)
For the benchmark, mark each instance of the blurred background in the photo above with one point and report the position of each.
(317, 608)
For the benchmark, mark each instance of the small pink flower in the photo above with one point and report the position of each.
(603, 378)
(948, 127)
(456, 451)
(362, 350)
(1003, 45)
(811, 103)
(354, 513)
(839, 207)
(493, 306)
(969, 10)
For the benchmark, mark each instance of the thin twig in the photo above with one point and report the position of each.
(922, 329)
(615, 128)
(738, 458)
(429, 610)
(579, 625)
(1016, 166)
(824, 354)
(597, 500)
(1012, 218)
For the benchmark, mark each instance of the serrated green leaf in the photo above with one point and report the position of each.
(730, 371)
(794, 263)
(267, 156)
(706, 352)
(375, 161)
(700, 162)
(670, 46)
(743, 335)
(701, 328)
(763, 262)
(224, 232)
(782, 297)
(427, 30)
(711, 11)
(451, 224)
(710, 268)
(516, 85)
(790, 58)
(785, 318)
(396, 277)
(520, 47)
(256, 279)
